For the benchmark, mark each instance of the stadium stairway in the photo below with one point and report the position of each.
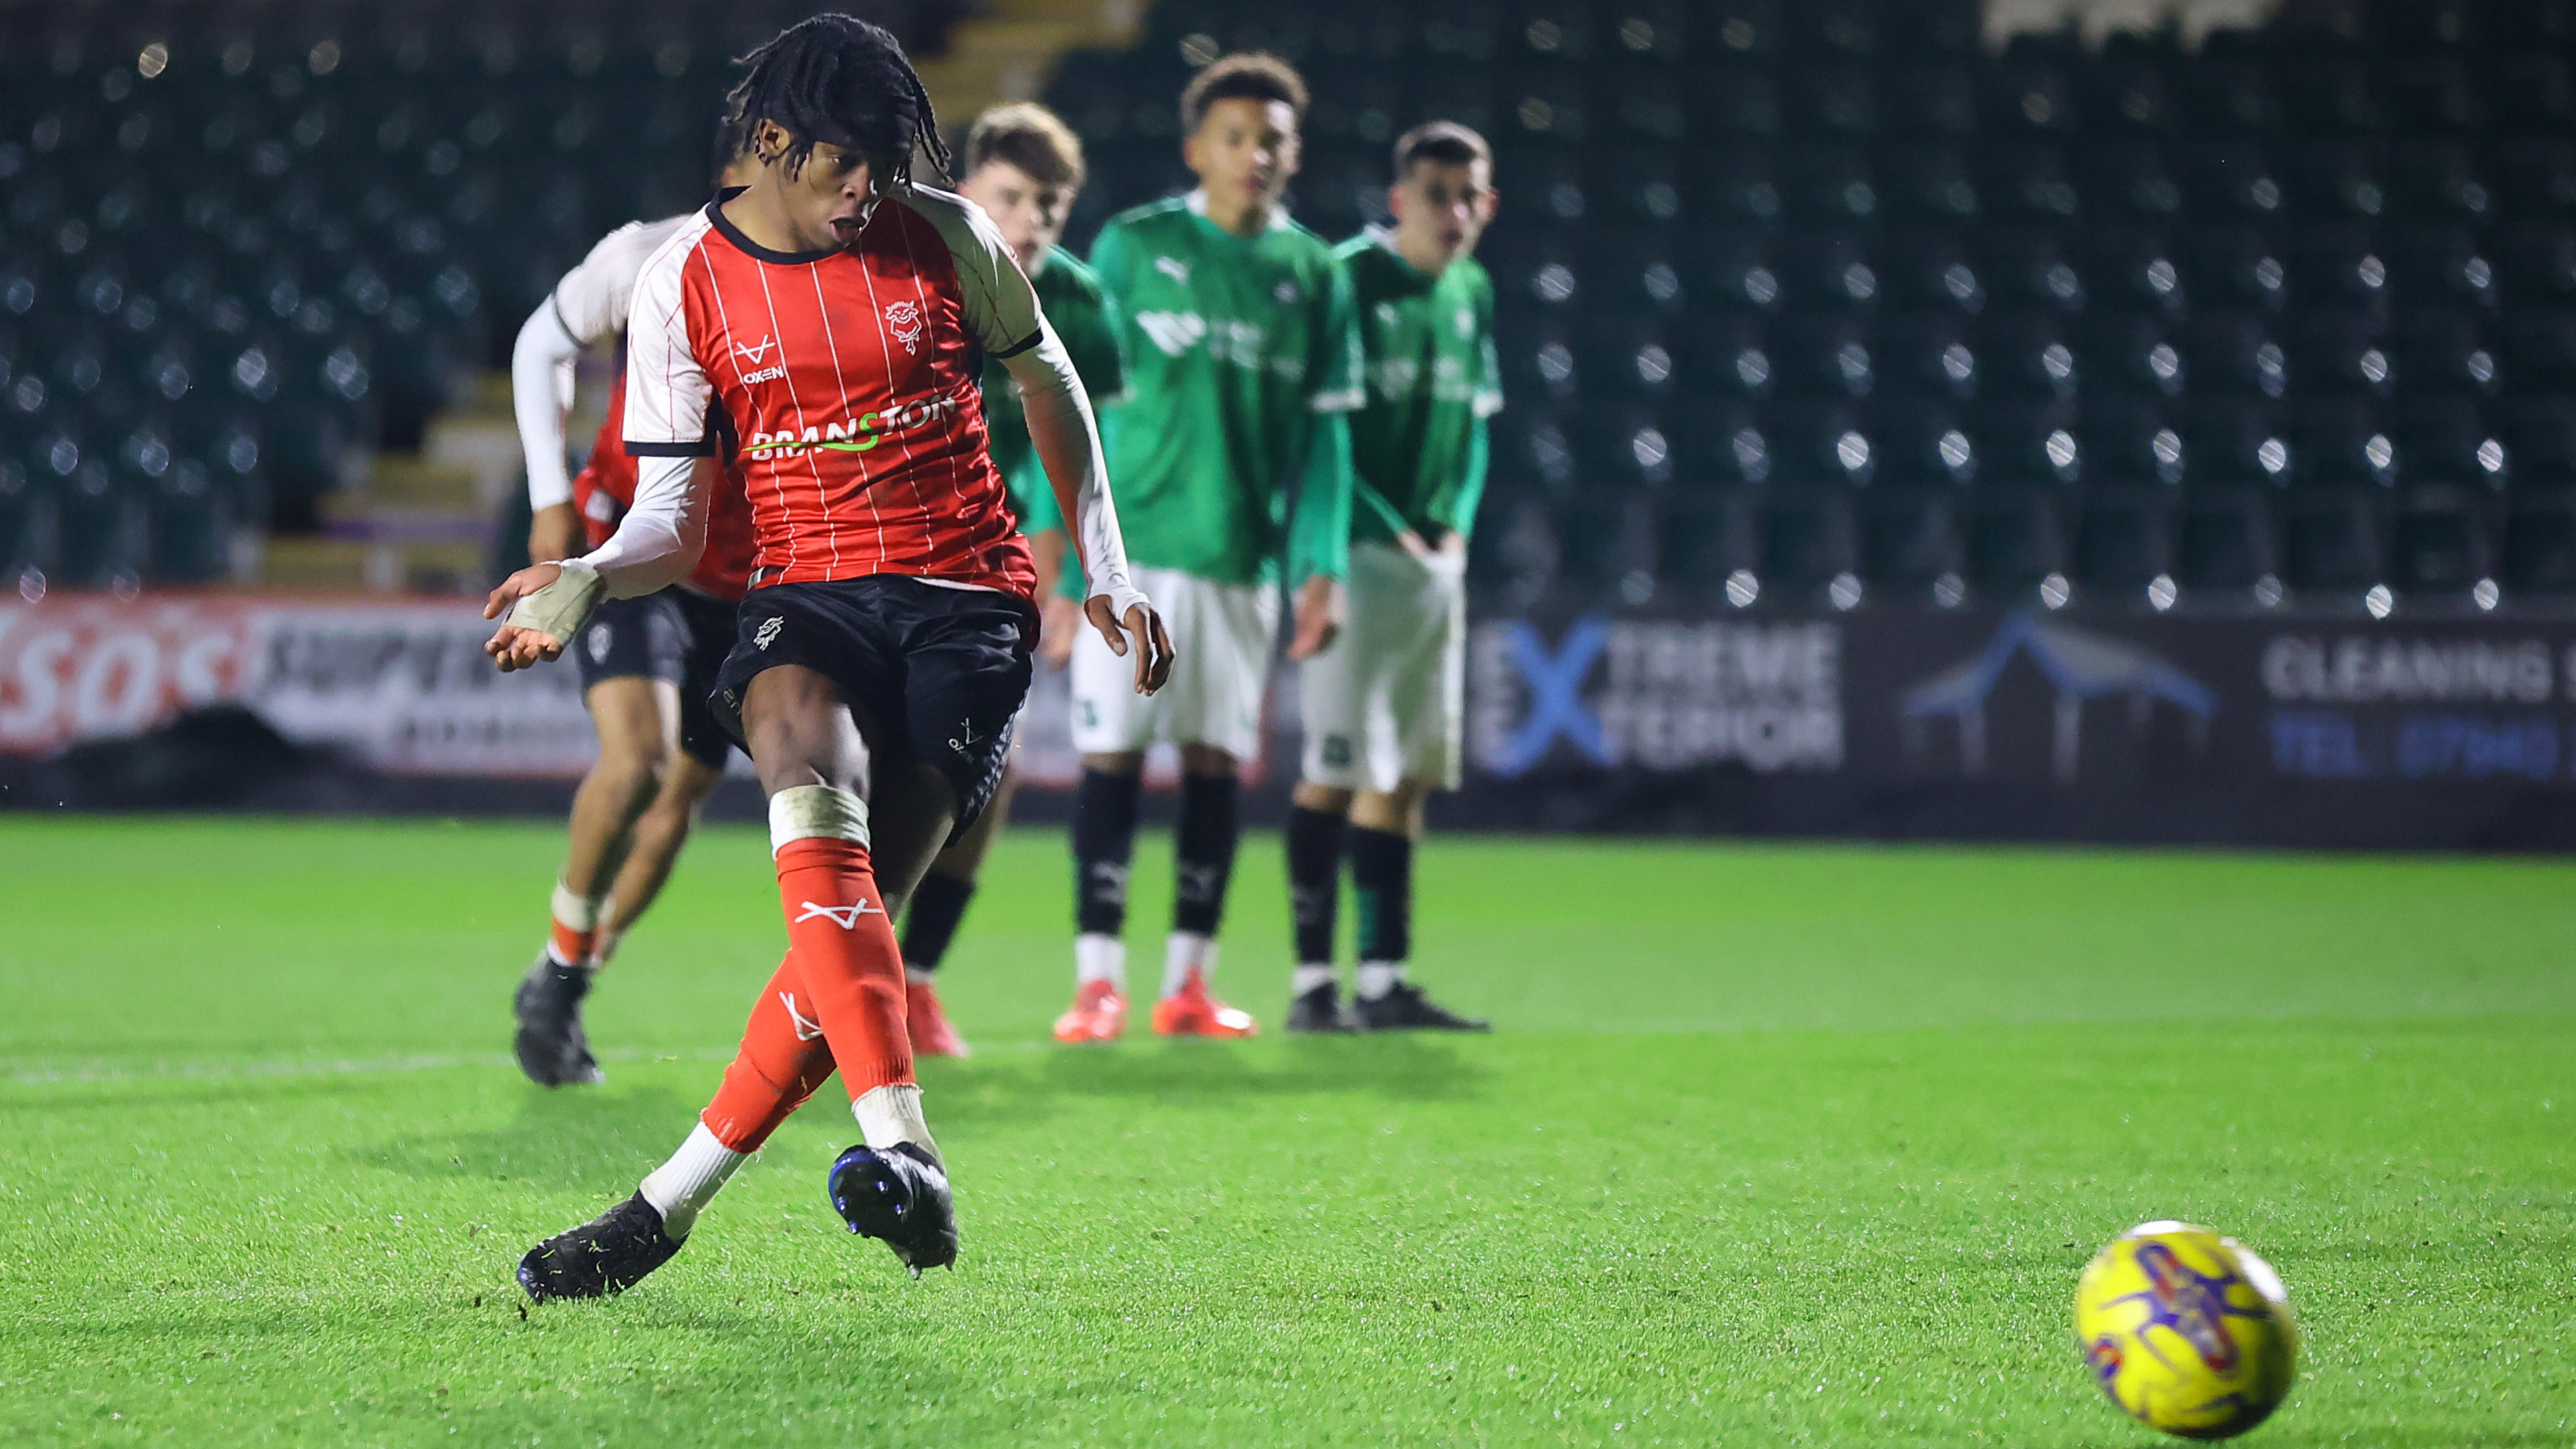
(1008, 51)
(420, 523)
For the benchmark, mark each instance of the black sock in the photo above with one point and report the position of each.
(1314, 881)
(1382, 885)
(1104, 841)
(930, 923)
(1203, 852)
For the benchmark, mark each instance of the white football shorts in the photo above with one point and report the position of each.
(1387, 701)
(1222, 636)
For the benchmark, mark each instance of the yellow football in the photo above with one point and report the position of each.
(2187, 1331)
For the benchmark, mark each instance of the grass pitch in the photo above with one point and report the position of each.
(1793, 1145)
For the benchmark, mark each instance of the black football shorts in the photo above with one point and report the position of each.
(676, 636)
(942, 671)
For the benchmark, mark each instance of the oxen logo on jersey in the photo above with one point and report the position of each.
(1387, 316)
(1284, 293)
(1174, 332)
(754, 356)
(1465, 322)
(904, 320)
(1174, 268)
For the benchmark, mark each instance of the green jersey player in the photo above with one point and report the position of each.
(1230, 454)
(1383, 704)
(1024, 167)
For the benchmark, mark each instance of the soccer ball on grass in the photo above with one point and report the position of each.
(2187, 1331)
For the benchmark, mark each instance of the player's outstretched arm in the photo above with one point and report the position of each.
(543, 606)
(1068, 445)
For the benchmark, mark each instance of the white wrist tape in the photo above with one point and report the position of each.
(1122, 596)
(560, 609)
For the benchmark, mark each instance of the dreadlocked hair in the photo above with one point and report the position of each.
(838, 79)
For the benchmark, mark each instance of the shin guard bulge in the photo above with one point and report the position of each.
(838, 935)
(783, 1061)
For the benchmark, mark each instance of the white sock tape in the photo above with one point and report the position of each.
(816, 812)
(891, 1114)
(681, 1187)
(560, 609)
(576, 913)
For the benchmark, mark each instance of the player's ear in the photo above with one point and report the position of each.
(769, 141)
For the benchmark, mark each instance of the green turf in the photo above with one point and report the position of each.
(1790, 1145)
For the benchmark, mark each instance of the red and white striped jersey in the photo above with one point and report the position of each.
(846, 383)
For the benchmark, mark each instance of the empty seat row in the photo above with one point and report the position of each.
(2139, 547)
(2015, 357)
(2324, 444)
(103, 528)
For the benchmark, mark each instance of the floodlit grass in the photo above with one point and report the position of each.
(1794, 1145)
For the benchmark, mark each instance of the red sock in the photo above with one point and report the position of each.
(783, 1060)
(845, 949)
(571, 947)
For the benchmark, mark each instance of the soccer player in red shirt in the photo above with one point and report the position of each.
(646, 663)
(827, 325)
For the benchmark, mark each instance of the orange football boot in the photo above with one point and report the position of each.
(1098, 1013)
(927, 1021)
(1195, 1011)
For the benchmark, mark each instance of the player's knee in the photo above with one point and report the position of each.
(631, 771)
(1209, 760)
(1117, 762)
(1329, 799)
(1398, 811)
(801, 734)
(687, 782)
(671, 816)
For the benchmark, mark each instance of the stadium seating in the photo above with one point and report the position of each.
(1799, 303)
(2275, 321)
(240, 240)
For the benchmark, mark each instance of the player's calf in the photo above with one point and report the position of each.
(1203, 850)
(1104, 846)
(1314, 848)
(930, 922)
(1382, 880)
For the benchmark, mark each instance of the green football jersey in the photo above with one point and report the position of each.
(1079, 313)
(1418, 444)
(1233, 347)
